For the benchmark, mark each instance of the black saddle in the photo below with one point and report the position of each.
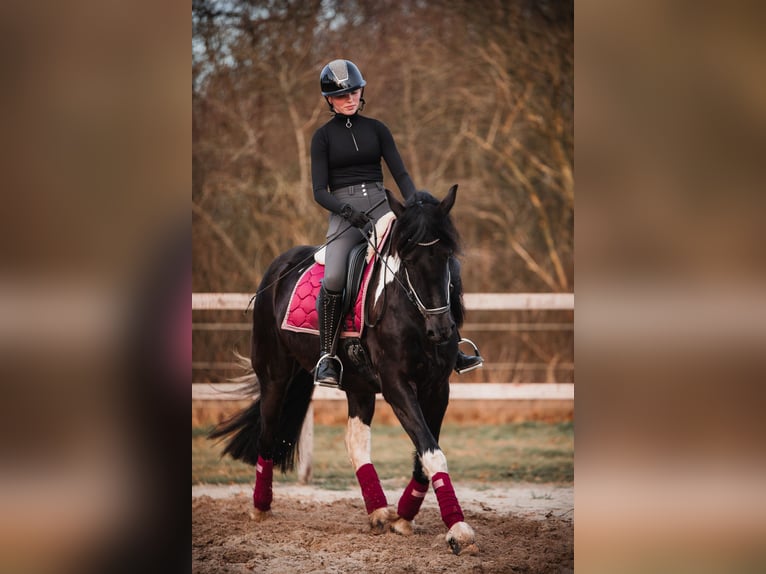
(353, 345)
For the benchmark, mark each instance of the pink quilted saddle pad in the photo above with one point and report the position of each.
(301, 315)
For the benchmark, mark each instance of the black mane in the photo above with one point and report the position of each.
(422, 222)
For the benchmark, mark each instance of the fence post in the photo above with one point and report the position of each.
(306, 447)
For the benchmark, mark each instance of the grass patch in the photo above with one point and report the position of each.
(520, 452)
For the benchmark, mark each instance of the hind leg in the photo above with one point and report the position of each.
(361, 408)
(271, 403)
(411, 500)
(283, 403)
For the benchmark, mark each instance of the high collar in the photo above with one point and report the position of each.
(342, 118)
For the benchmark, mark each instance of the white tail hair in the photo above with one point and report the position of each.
(251, 387)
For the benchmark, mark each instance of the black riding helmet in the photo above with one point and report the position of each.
(340, 77)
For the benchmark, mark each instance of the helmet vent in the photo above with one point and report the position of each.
(339, 69)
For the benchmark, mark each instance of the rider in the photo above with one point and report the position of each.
(348, 181)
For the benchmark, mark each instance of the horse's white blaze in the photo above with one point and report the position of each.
(433, 461)
(358, 442)
(387, 271)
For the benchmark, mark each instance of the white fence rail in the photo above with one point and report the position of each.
(458, 391)
(473, 301)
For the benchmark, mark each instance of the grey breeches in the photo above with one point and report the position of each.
(342, 239)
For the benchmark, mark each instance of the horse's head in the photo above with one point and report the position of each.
(425, 239)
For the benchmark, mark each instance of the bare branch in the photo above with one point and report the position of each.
(227, 242)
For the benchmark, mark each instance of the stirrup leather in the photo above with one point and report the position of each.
(329, 357)
(476, 354)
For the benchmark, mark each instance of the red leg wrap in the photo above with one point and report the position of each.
(409, 503)
(448, 504)
(371, 489)
(264, 472)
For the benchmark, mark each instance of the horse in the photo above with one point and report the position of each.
(409, 344)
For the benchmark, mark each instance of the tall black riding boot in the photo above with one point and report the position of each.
(329, 370)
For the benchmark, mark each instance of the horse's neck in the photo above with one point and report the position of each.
(383, 276)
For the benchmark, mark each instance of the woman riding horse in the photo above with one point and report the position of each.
(348, 182)
(409, 349)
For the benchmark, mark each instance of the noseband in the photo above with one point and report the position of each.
(413, 296)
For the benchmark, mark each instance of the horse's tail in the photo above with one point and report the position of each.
(244, 428)
(246, 424)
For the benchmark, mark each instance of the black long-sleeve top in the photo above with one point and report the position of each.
(342, 156)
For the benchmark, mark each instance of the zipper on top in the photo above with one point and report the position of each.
(348, 125)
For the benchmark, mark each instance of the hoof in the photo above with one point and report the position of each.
(462, 540)
(260, 515)
(379, 520)
(402, 526)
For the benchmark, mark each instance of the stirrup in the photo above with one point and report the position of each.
(340, 374)
(476, 354)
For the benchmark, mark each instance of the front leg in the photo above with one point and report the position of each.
(460, 535)
(361, 408)
(433, 405)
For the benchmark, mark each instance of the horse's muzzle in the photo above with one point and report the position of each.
(440, 329)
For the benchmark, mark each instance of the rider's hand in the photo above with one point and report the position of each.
(356, 218)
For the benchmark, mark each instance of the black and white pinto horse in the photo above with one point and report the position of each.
(410, 342)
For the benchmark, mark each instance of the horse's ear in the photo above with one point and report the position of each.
(449, 201)
(394, 203)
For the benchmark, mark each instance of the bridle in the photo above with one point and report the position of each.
(409, 289)
(412, 294)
